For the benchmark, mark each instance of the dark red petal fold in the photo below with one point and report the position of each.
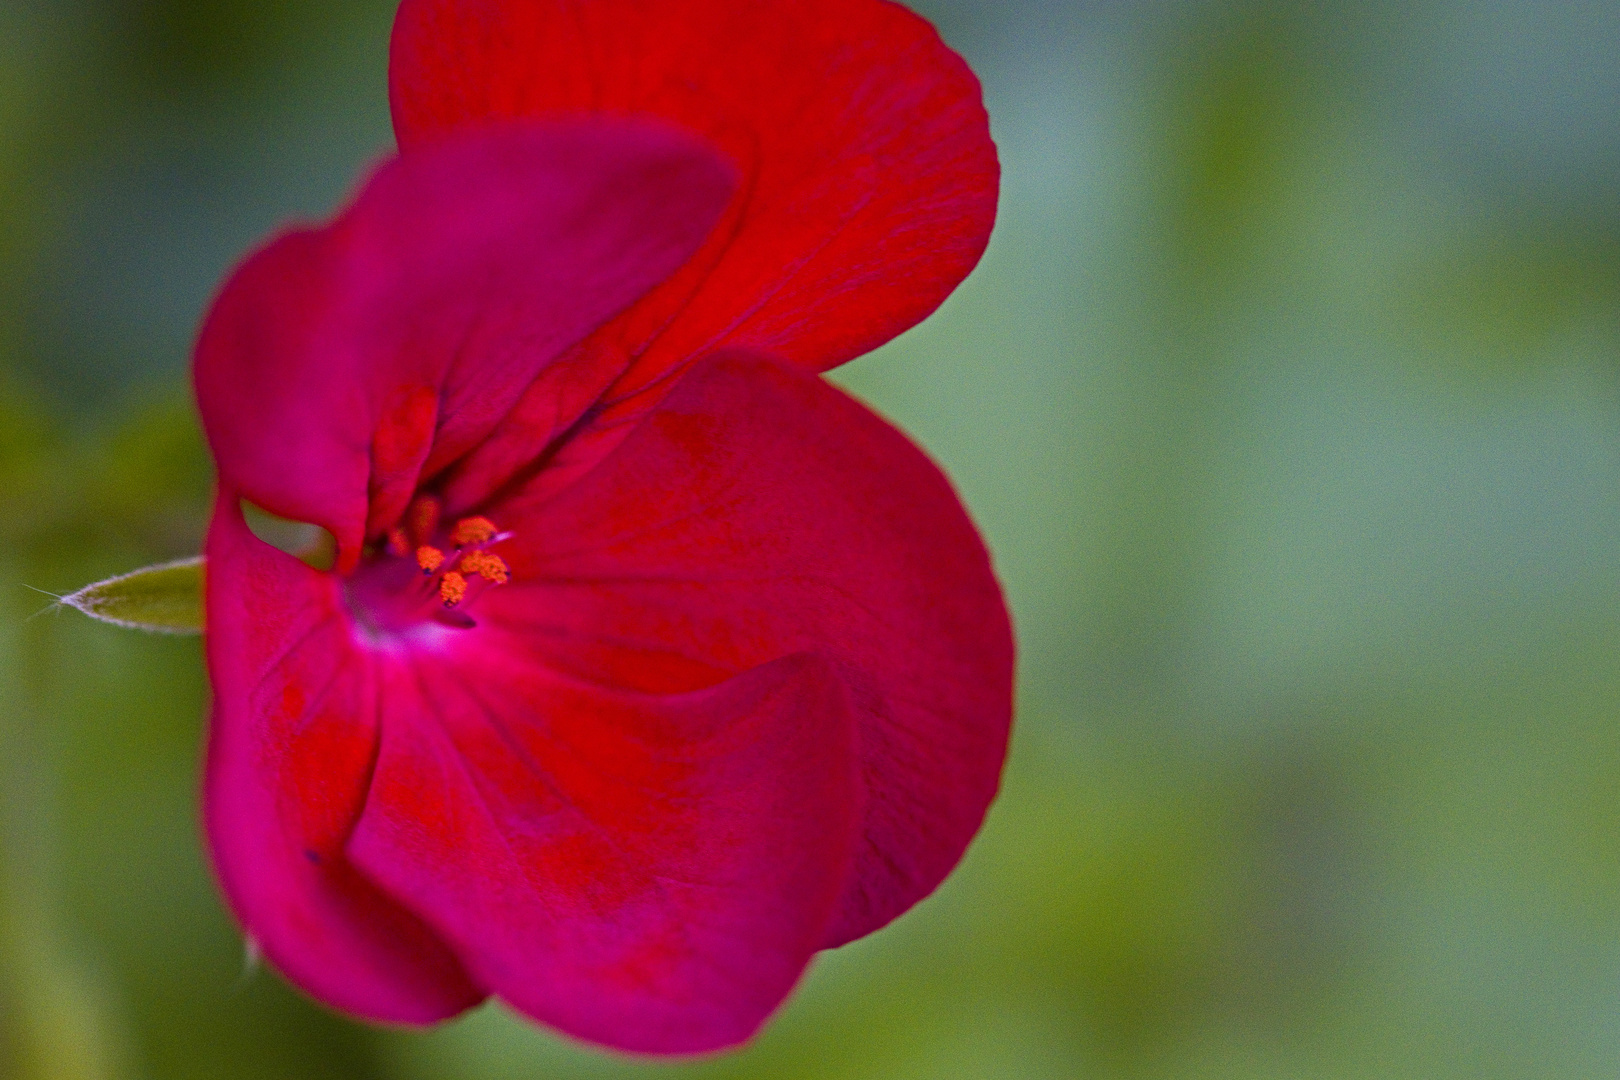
(759, 513)
(341, 363)
(292, 741)
(869, 176)
(650, 872)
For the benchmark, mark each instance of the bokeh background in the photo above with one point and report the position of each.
(1288, 396)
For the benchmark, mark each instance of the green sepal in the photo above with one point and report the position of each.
(162, 599)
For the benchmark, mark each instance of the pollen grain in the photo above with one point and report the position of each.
(490, 567)
(452, 589)
(429, 558)
(473, 530)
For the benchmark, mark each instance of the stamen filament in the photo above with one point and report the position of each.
(422, 519)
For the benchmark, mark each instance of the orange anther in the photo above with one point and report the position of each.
(429, 558)
(452, 589)
(490, 567)
(422, 519)
(473, 530)
(397, 543)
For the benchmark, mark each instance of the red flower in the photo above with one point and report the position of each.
(650, 663)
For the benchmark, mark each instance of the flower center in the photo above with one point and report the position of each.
(425, 576)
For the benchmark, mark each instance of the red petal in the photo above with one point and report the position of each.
(758, 513)
(870, 177)
(340, 364)
(651, 873)
(290, 752)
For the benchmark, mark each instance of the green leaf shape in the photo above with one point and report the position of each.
(162, 599)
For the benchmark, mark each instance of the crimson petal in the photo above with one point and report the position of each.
(652, 873)
(758, 513)
(869, 176)
(292, 742)
(341, 363)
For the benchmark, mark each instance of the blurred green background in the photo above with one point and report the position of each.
(1288, 397)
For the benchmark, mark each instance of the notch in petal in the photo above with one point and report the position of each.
(341, 364)
(292, 738)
